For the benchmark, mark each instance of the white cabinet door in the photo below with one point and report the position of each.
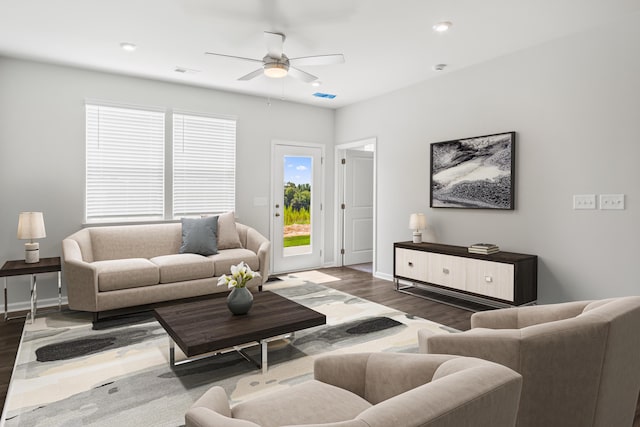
(411, 264)
(446, 270)
(492, 279)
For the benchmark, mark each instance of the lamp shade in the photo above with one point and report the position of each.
(417, 221)
(31, 226)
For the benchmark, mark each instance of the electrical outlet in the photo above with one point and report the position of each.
(584, 201)
(612, 201)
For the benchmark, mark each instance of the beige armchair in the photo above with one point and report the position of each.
(579, 361)
(377, 390)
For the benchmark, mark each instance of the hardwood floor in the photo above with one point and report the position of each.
(366, 286)
(355, 282)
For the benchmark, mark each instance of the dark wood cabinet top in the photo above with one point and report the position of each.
(204, 326)
(462, 251)
(20, 268)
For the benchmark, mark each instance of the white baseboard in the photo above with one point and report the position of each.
(383, 276)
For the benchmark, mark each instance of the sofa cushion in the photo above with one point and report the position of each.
(199, 236)
(223, 260)
(181, 267)
(227, 233)
(134, 241)
(126, 273)
(312, 402)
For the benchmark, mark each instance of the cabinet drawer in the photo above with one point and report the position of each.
(492, 279)
(411, 264)
(446, 270)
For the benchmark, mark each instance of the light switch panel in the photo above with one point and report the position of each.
(612, 201)
(584, 201)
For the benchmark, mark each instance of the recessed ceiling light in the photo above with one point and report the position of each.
(129, 47)
(443, 26)
(316, 83)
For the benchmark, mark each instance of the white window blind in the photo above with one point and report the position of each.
(125, 164)
(204, 165)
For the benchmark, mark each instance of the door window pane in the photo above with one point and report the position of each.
(297, 205)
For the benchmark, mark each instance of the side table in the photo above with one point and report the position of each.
(21, 268)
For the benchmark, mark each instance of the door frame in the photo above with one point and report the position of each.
(340, 152)
(280, 142)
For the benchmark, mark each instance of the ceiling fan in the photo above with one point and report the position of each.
(276, 64)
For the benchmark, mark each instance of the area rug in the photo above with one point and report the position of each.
(69, 373)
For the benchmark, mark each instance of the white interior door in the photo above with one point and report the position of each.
(358, 211)
(296, 207)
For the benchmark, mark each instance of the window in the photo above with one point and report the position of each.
(125, 164)
(204, 163)
(127, 173)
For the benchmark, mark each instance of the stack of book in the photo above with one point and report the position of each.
(484, 248)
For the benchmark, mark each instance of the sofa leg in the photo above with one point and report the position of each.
(96, 316)
(260, 288)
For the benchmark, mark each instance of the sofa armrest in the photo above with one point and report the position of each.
(521, 317)
(368, 374)
(205, 417)
(349, 423)
(500, 346)
(391, 374)
(423, 341)
(474, 393)
(213, 410)
(82, 284)
(347, 371)
(259, 244)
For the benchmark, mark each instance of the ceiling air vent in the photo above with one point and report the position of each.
(324, 95)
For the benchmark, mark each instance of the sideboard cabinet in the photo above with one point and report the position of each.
(505, 278)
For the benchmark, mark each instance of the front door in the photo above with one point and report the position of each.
(296, 207)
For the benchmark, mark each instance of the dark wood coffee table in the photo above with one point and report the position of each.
(204, 327)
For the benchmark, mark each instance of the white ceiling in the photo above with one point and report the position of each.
(387, 44)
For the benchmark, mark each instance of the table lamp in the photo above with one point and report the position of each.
(31, 226)
(417, 222)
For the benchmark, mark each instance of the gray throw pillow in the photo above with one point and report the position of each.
(199, 236)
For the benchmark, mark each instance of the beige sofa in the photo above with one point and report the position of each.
(579, 360)
(113, 267)
(377, 390)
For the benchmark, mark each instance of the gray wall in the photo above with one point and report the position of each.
(575, 105)
(42, 147)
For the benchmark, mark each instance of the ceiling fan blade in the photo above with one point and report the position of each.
(301, 75)
(234, 57)
(252, 75)
(317, 60)
(274, 42)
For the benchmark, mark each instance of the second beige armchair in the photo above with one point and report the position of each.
(377, 390)
(579, 361)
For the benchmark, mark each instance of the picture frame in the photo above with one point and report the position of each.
(474, 173)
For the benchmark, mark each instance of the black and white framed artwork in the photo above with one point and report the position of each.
(474, 173)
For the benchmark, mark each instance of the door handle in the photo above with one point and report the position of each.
(277, 213)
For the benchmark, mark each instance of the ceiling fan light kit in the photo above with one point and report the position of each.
(276, 64)
(276, 68)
